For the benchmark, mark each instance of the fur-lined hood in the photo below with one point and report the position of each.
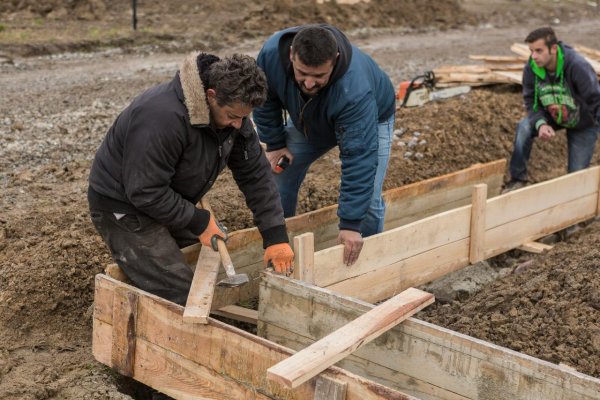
(193, 91)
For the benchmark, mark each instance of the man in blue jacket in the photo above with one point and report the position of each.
(561, 90)
(334, 94)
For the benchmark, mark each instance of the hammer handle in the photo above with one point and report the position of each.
(225, 258)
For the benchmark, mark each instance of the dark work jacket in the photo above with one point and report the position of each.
(162, 155)
(344, 113)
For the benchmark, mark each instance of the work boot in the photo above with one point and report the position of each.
(513, 184)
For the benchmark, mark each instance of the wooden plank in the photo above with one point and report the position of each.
(499, 59)
(544, 195)
(174, 375)
(238, 313)
(477, 236)
(429, 362)
(420, 269)
(588, 51)
(391, 378)
(214, 360)
(598, 203)
(535, 247)
(521, 49)
(330, 389)
(391, 246)
(497, 67)
(511, 235)
(511, 76)
(416, 201)
(124, 316)
(474, 69)
(304, 251)
(490, 77)
(199, 301)
(322, 354)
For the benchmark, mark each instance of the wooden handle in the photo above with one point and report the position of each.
(225, 258)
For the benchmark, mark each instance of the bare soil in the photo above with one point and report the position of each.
(67, 68)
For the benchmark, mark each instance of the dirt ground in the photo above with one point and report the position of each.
(68, 67)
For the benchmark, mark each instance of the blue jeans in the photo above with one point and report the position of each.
(305, 153)
(581, 144)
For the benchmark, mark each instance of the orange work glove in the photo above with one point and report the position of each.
(213, 231)
(281, 257)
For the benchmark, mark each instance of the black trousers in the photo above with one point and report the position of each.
(148, 253)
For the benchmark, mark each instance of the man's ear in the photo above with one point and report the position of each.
(553, 49)
(291, 55)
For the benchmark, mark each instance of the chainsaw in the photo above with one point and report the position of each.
(421, 90)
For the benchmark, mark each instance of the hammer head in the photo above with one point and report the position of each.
(234, 280)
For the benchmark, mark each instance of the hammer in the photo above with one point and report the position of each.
(232, 279)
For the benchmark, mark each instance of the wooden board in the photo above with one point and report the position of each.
(390, 280)
(393, 246)
(327, 351)
(427, 361)
(199, 301)
(511, 76)
(535, 247)
(212, 361)
(499, 59)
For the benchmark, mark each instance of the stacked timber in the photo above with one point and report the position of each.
(499, 69)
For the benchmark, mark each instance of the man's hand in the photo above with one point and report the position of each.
(546, 132)
(274, 156)
(353, 243)
(212, 233)
(281, 257)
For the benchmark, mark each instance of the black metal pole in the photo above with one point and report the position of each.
(134, 17)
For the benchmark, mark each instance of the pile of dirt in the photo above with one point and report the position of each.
(181, 25)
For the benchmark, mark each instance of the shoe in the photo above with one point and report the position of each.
(513, 184)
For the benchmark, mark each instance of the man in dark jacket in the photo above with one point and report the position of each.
(335, 95)
(561, 90)
(164, 152)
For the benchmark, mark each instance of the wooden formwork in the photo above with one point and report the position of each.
(144, 336)
(421, 359)
(430, 232)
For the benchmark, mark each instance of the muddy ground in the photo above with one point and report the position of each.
(68, 67)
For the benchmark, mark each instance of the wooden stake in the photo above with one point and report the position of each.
(199, 301)
(322, 354)
(304, 249)
(477, 242)
(124, 314)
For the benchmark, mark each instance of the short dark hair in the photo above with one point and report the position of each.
(545, 33)
(237, 79)
(315, 45)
